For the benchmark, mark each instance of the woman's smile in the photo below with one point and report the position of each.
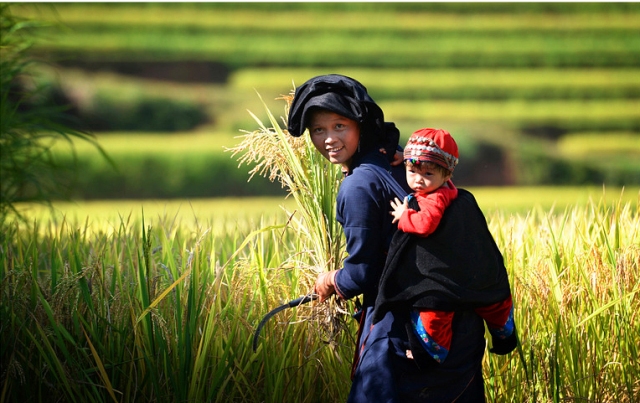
(335, 136)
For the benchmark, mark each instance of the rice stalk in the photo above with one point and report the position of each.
(575, 285)
(313, 182)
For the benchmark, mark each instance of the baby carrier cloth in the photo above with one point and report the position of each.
(458, 267)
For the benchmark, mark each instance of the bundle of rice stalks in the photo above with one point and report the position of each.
(313, 182)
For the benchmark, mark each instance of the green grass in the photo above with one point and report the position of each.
(178, 144)
(293, 18)
(487, 103)
(200, 164)
(511, 200)
(577, 115)
(353, 49)
(390, 84)
(158, 166)
(574, 100)
(511, 84)
(590, 144)
(406, 39)
(162, 307)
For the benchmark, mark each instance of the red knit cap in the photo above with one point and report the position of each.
(434, 145)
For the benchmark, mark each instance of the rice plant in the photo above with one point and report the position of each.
(313, 182)
(575, 279)
(165, 313)
(158, 313)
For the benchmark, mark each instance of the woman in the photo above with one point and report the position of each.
(347, 127)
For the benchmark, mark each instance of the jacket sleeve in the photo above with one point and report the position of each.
(363, 210)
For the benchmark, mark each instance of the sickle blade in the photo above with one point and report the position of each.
(291, 304)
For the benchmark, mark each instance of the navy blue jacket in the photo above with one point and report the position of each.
(363, 210)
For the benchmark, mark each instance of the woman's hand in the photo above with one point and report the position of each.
(398, 208)
(325, 285)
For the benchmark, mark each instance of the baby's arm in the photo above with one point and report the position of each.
(398, 208)
(425, 221)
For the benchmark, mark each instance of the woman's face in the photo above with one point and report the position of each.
(335, 136)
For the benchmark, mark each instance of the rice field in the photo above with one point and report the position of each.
(478, 83)
(282, 18)
(159, 302)
(508, 200)
(157, 306)
(514, 79)
(567, 36)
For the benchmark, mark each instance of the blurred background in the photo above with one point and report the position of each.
(534, 93)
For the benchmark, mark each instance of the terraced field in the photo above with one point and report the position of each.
(512, 81)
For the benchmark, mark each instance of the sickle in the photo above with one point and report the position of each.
(291, 304)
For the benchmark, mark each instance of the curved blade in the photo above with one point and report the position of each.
(291, 304)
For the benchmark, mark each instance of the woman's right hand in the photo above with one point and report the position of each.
(325, 285)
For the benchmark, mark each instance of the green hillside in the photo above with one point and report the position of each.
(511, 81)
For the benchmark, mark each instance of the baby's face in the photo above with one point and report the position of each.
(424, 179)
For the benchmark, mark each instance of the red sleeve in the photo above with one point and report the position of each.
(496, 315)
(432, 207)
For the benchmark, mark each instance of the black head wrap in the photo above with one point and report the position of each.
(347, 97)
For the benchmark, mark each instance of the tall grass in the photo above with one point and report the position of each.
(164, 310)
(576, 277)
(158, 313)
(476, 83)
(567, 114)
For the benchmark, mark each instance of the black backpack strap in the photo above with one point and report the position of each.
(388, 179)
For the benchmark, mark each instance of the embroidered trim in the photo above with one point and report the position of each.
(425, 146)
(436, 351)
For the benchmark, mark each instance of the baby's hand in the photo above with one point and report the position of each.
(398, 208)
(398, 157)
